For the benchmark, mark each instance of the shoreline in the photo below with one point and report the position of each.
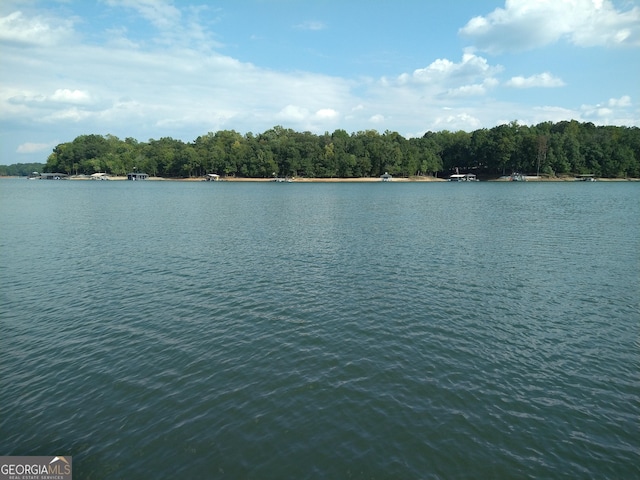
(413, 179)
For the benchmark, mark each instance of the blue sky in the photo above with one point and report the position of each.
(155, 68)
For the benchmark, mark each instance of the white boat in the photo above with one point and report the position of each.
(587, 177)
(463, 177)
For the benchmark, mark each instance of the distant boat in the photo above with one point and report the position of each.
(137, 176)
(53, 176)
(386, 177)
(587, 177)
(463, 177)
(282, 179)
(517, 177)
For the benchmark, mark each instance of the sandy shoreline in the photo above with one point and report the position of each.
(376, 179)
(292, 179)
(349, 180)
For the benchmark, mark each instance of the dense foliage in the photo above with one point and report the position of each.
(20, 169)
(548, 148)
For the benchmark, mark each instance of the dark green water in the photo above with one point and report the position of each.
(198, 330)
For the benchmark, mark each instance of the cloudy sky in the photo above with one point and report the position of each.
(155, 68)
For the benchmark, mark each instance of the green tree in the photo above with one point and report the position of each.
(560, 148)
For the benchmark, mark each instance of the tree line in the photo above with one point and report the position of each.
(566, 147)
(20, 169)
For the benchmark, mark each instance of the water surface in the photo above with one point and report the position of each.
(229, 330)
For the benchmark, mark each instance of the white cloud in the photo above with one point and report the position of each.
(540, 80)
(467, 91)
(70, 96)
(475, 90)
(470, 68)
(181, 90)
(615, 111)
(34, 31)
(52, 101)
(30, 147)
(599, 114)
(293, 113)
(327, 114)
(160, 13)
(460, 121)
(378, 118)
(624, 101)
(443, 83)
(526, 24)
(73, 114)
(175, 24)
(552, 113)
(117, 38)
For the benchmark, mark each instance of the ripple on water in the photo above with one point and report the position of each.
(325, 331)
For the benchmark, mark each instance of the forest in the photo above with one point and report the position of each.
(551, 149)
(20, 169)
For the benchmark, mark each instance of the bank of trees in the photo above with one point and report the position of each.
(20, 169)
(548, 148)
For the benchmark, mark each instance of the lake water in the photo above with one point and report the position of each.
(265, 330)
